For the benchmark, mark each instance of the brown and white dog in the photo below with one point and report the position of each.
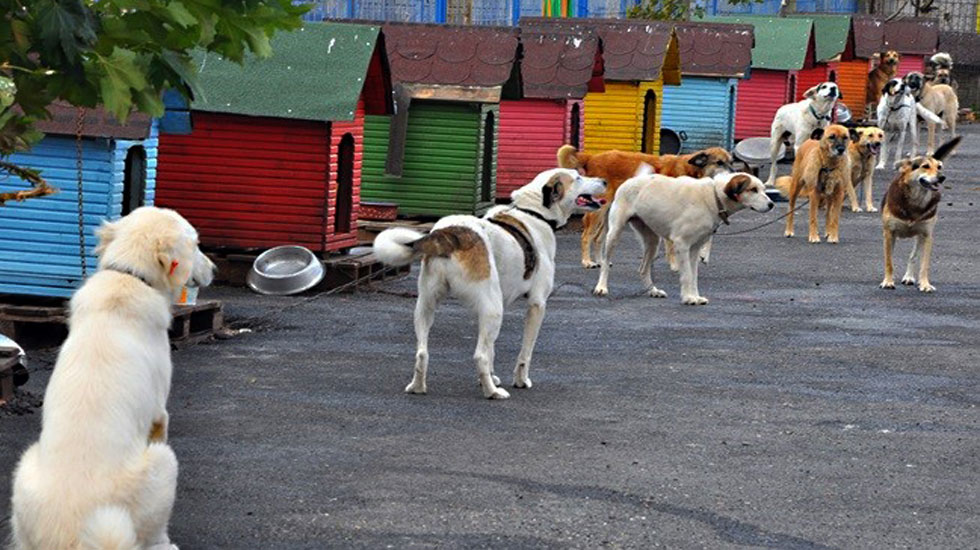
(862, 154)
(823, 170)
(886, 70)
(490, 262)
(939, 99)
(615, 167)
(910, 208)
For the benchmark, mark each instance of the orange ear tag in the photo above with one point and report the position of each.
(173, 267)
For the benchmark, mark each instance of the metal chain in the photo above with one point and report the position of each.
(79, 122)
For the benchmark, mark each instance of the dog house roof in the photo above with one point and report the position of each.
(715, 49)
(913, 36)
(963, 46)
(781, 43)
(451, 55)
(559, 61)
(97, 123)
(834, 35)
(869, 35)
(314, 73)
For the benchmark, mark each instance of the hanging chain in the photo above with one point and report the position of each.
(79, 122)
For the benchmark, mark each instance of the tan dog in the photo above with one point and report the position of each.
(861, 153)
(886, 70)
(910, 208)
(942, 100)
(823, 170)
(618, 166)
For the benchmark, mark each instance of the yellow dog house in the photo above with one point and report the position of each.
(639, 57)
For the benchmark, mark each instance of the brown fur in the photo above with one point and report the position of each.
(862, 158)
(618, 166)
(158, 432)
(463, 244)
(824, 176)
(886, 70)
(909, 209)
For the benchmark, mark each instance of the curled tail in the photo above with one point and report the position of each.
(109, 528)
(399, 246)
(569, 157)
(784, 184)
(395, 246)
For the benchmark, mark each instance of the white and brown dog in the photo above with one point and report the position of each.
(488, 263)
(897, 110)
(685, 210)
(799, 120)
(102, 475)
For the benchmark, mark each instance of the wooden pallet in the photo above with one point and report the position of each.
(194, 323)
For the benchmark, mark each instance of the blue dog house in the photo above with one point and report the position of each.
(39, 251)
(702, 109)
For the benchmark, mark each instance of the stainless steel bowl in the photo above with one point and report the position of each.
(285, 270)
(755, 151)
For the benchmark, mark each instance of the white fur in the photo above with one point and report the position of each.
(440, 277)
(896, 117)
(93, 479)
(797, 120)
(683, 210)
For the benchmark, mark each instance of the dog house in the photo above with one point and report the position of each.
(438, 154)
(783, 47)
(639, 58)
(40, 252)
(916, 38)
(713, 59)
(274, 154)
(834, 39)
(560, 65)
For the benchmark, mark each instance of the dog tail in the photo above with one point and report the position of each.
(397, 246)
(569, 157)
(109, 528)
(784, 184)
(928, 115)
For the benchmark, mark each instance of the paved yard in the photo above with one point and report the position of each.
(802, 408)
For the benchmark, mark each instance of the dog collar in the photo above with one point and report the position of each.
(818, 117)
(130, 272)
(722, 211)
(551, 223)
(903, 105)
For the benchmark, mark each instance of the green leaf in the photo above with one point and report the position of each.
(180, 14)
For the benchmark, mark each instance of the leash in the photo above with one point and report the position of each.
(760, 226)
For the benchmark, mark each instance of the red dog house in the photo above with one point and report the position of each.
(916, 39)
(560, 62)
(274, 156)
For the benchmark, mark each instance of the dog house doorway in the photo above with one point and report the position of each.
(649, 123)
(791, 93)
(345, 185)
(575, 127)
(134, 179)
(486, 176)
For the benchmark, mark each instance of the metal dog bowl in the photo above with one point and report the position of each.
(285, 270)
(671, 141)
(755, 151)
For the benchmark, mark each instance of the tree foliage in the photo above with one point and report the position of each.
(121, 54)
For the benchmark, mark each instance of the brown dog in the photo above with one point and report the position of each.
(618, 166)
(910, 208)
(885, 71)
(822, 169)
(862, 153)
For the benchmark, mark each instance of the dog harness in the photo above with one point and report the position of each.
(551, 223)
(127, 271)
(517, 230)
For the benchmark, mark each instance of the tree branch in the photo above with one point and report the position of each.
(40, 188)
(898, 11)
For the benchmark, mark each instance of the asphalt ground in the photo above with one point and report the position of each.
(804, 407)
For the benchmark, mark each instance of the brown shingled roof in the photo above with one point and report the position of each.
(559, 61)
(450, 55)
(715, 49)
(914, 36)
(869, 35)
(631, 49)
(97, 123)
(963, 46)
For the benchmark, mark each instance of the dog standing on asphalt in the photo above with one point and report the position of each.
(799, 120)
(822, 170)
(910, 208)
(684, 210)
(897, 110)
(862, 154)
(488, 263)
(939, 99)
(102, 475)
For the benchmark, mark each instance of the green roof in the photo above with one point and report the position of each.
(314, 73)
(780, 42)
(831, 32)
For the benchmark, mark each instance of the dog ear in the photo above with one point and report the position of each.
(700, 160)
(106, 234)
(736, 185)
(855, 135)
(904, 165)
(945, 149)
(811, 92)
(554, 190)
(816, 134)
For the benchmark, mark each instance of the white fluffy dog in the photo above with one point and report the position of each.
(488, 263)
(102, 476)
(799, 120)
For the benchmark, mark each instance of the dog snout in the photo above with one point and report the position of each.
(770, 205)
(841, 149)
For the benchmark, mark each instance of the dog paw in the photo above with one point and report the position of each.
(908, 280)
(589, 265)
(880, 166)
(417, 389)
(525, 383)
(496, 393)
(695, 300)
(872, 209)
(655, 292)
(926, 287)
(887, 284)
(600, 291)
(813, 239)
(832, 240)
(788, 234)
